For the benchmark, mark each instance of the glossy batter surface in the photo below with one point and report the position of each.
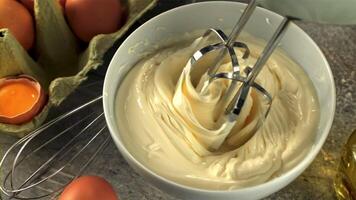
(172, 129)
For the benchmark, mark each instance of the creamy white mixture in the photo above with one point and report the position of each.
(172, 129)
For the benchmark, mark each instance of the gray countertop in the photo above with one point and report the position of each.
(338, 43)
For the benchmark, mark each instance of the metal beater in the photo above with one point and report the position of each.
(27, 148)
(236, 94)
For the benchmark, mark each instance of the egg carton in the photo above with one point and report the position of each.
(58, 60)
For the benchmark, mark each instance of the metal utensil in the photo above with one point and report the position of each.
(236, 94)
(74, 137)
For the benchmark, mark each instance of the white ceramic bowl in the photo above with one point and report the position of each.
(296, 43)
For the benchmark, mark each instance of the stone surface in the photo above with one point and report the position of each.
(338, 43)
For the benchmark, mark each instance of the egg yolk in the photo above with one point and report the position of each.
(17, 98)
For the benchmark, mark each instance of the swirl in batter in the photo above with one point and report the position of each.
(172, 129)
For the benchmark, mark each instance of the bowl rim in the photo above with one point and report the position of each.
(301, 166)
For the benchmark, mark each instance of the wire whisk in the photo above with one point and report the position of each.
(65, 140)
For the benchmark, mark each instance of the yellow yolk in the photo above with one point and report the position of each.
(17, 98)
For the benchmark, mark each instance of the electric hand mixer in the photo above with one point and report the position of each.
(26, 148)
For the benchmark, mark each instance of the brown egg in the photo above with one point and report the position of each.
(90, 18)
(30, 4)
(21, 99)
(15, 17)
(88, 188)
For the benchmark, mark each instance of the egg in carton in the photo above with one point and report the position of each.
(60, 63)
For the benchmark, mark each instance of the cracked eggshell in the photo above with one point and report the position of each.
(11, 97)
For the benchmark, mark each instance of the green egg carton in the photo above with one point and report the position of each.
(61, 63)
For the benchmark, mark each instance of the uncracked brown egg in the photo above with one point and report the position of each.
(90, 18)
